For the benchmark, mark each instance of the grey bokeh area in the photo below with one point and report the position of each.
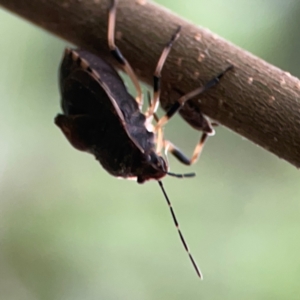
(68, 230)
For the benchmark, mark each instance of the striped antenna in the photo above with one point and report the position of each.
(179, 231)
(185, 175)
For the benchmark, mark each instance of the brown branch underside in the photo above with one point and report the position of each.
(256, 99)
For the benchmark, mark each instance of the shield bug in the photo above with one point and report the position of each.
(102, 118)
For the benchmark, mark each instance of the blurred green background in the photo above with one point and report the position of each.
(68, 230)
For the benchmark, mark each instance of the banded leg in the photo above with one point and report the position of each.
(160, 135)
(181, 101)
(115, 51)
(169, 147)
(157, 74)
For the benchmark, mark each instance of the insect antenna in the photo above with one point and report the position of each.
(179, 231)
(186, 175)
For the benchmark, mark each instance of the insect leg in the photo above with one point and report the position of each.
(160, 134)
(157, 74)
(181, 101)
(169, 147)
(115, 51)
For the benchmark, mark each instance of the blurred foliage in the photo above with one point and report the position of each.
(68, 230)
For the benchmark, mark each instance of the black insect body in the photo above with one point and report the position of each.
(102, 118)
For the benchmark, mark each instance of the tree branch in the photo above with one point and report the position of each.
(256, 99)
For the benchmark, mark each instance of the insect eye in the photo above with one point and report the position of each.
(154, 159)
(148, 158)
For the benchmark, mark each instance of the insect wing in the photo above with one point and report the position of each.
(84, 92)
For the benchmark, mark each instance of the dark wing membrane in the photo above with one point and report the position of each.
(110, 77)
(101, 78)
(134, 120)
(83, 95)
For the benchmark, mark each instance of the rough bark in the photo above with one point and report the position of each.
(256, 99)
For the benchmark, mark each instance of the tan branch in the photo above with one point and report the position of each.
(256, 100)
